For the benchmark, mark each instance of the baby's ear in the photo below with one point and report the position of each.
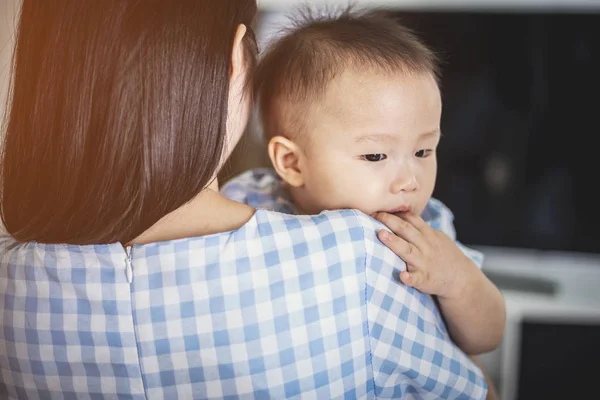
(285, 157)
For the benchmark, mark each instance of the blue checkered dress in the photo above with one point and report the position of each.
(284, 307)
(263, 188)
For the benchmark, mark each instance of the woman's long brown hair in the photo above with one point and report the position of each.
(118, 114)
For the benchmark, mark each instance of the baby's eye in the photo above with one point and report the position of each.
(423, 153)
(374, 157)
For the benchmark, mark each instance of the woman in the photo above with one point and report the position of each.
(124, 274)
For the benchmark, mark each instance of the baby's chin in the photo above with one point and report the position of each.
(366, 210)
(374, 210)
(369, 210)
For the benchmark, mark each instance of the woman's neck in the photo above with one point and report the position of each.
(207, 213)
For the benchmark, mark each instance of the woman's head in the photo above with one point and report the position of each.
(119, 112)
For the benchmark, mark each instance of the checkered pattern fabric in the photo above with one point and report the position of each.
(284, 307)
(263, 188)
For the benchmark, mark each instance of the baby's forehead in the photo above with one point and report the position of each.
(373, 80)
(370, 96)
(357, 103)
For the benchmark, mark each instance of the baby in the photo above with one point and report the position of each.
(351, 108)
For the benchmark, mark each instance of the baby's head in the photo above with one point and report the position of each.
(351, 108)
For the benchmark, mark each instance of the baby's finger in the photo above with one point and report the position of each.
(410, 278)
(415, 220)
(403, 249)
(402, 228)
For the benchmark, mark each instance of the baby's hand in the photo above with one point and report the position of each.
(435, 265)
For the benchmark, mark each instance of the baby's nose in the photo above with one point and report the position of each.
(405, 182)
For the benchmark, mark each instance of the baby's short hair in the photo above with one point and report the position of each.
(296, 69)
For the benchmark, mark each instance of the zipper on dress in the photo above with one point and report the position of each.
(128, 266)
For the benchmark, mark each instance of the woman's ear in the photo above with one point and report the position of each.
(238, 61)
(285, 157)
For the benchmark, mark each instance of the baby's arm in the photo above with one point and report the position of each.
(471, 304)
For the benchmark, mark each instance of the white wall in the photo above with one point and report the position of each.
(8, 22)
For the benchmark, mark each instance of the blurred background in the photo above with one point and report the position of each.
(517, 166)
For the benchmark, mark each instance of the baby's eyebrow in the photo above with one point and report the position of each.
(386, 137)
(433, 133)
(375, 137)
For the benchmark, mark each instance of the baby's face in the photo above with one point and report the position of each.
(372, 144)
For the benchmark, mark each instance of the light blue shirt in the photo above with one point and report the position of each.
(283, 307)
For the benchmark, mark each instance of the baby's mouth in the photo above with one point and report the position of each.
(400, 209)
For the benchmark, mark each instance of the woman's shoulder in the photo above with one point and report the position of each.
(348, 224)
(347, 228)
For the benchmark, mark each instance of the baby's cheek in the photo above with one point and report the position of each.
(334, 193)
(345, 186)
(367, 197)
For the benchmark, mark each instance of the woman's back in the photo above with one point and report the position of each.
(283, 306)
